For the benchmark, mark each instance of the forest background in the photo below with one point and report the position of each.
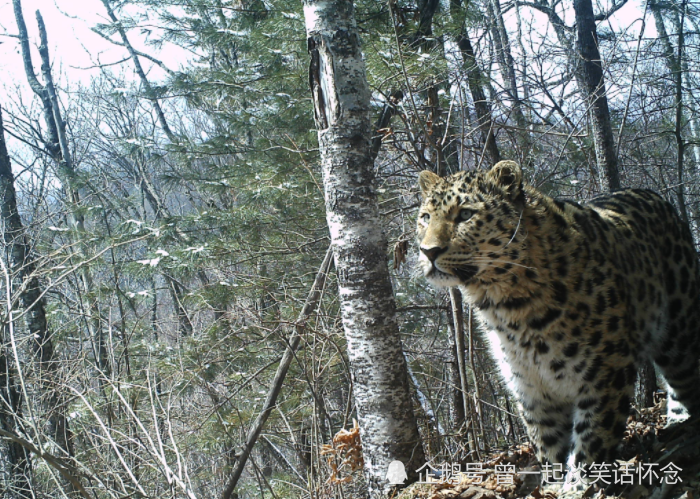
(166, 246)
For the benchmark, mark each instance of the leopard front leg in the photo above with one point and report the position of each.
(599, 423)
(549, 425)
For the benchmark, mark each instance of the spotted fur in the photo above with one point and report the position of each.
(575, 296)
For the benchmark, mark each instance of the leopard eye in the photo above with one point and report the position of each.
(465, 215)
(425, 218)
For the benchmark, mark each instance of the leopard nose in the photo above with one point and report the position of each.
(433, 253)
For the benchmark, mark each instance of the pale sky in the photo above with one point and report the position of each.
(74, 48)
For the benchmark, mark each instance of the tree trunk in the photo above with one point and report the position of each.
(52, 144)
(674, 63)
(691, 101)
(678, 132)
(459, 404)
(507, 65)
(594, 90)
(475, 80)
(22, 263)
(381, 387)
(69, 176)
(456, 305)
(646, 385)
(17, 458)
(57, 145)
(426, 9)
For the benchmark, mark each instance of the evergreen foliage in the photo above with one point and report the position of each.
(170, 309)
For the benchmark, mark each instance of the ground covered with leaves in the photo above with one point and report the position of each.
(655, 462)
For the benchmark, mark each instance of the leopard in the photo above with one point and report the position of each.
(573, 298)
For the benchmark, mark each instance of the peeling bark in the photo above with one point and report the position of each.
(380, 379)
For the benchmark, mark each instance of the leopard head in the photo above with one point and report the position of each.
(468, 224)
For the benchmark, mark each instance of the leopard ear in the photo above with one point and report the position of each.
(508, 175)
(427, 181)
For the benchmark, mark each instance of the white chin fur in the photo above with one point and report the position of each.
(444, 281)
(438, 278)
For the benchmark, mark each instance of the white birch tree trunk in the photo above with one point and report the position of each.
(341, 99)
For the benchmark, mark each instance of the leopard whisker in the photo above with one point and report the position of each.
(520, 218)
(487, 260)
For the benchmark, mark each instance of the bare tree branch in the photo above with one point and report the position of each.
(286, 360)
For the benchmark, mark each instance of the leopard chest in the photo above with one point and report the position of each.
(535, 359)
